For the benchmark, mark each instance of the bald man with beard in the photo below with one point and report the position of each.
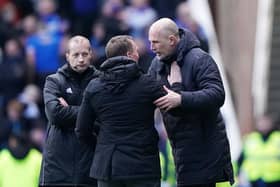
(191, 109)
(66, 161)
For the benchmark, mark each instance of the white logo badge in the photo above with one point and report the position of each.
(69, 90)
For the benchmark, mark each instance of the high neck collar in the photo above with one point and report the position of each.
(118, 72)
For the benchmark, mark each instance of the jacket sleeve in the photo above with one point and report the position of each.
(57, 114)
(156, 89)
(210, 93)
(85, 122)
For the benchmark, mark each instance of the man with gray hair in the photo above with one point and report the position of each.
(190, 109)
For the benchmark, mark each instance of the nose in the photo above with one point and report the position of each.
(81, 58)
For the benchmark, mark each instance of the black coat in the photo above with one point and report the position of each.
(65, 160)
(121, 100)
(196, 129)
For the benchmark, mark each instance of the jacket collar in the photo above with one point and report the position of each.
(118, 72)
(68, 72)
(187, 42)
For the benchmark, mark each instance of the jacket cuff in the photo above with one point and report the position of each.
(177, 87)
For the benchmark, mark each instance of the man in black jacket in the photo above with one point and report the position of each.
(121, 99)
(191, 108)
(65, 160)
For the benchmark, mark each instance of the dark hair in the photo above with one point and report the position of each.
(119, 46)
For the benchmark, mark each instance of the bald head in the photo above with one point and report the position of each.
(78, 40)
(165, 26)
(164, 37)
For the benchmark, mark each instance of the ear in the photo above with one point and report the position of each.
(91, 52)
(67, 56)
(172, 40)
(92, 55)
(128, 54)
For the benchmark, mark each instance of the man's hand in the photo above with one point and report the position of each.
(175, 74)
(63, 102)
(169, 101)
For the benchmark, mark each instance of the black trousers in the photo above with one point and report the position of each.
(130, 183)
(201, 185)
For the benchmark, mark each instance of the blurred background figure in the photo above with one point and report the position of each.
(84, 13)
(110, 22)
(42, 48)
(8, 21)
(19, 162)
(13, 123)
(145, 55)
(33, 114)
(63, 48)
(98, 41)
(139, 15)
(260, 158)
(185, 19)
(112, 15)
(165, 8)
(20, 117)
(29, 26)
(30, 97)
(48, 16)
(12, 71)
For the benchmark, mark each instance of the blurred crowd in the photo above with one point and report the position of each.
(33, 37)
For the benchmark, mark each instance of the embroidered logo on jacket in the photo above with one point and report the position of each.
(69, 90)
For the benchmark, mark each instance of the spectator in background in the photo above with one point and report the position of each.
(139, 15)
(121, 99)
(65, 160)
(165, 8)
(29, 27)
(42, 50)
(12, 71)
(24, 7)
(53, 24)
(84, 13)
(19, 162)
(13, 123)
(112, 15)
(98, 42)
(8, 21)
(184, 19)
(145, 56)
(260, 157)
(111, 22)
(33, 113)
(31, 97)
(191, 108)
(63, 47)
(37, 136)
